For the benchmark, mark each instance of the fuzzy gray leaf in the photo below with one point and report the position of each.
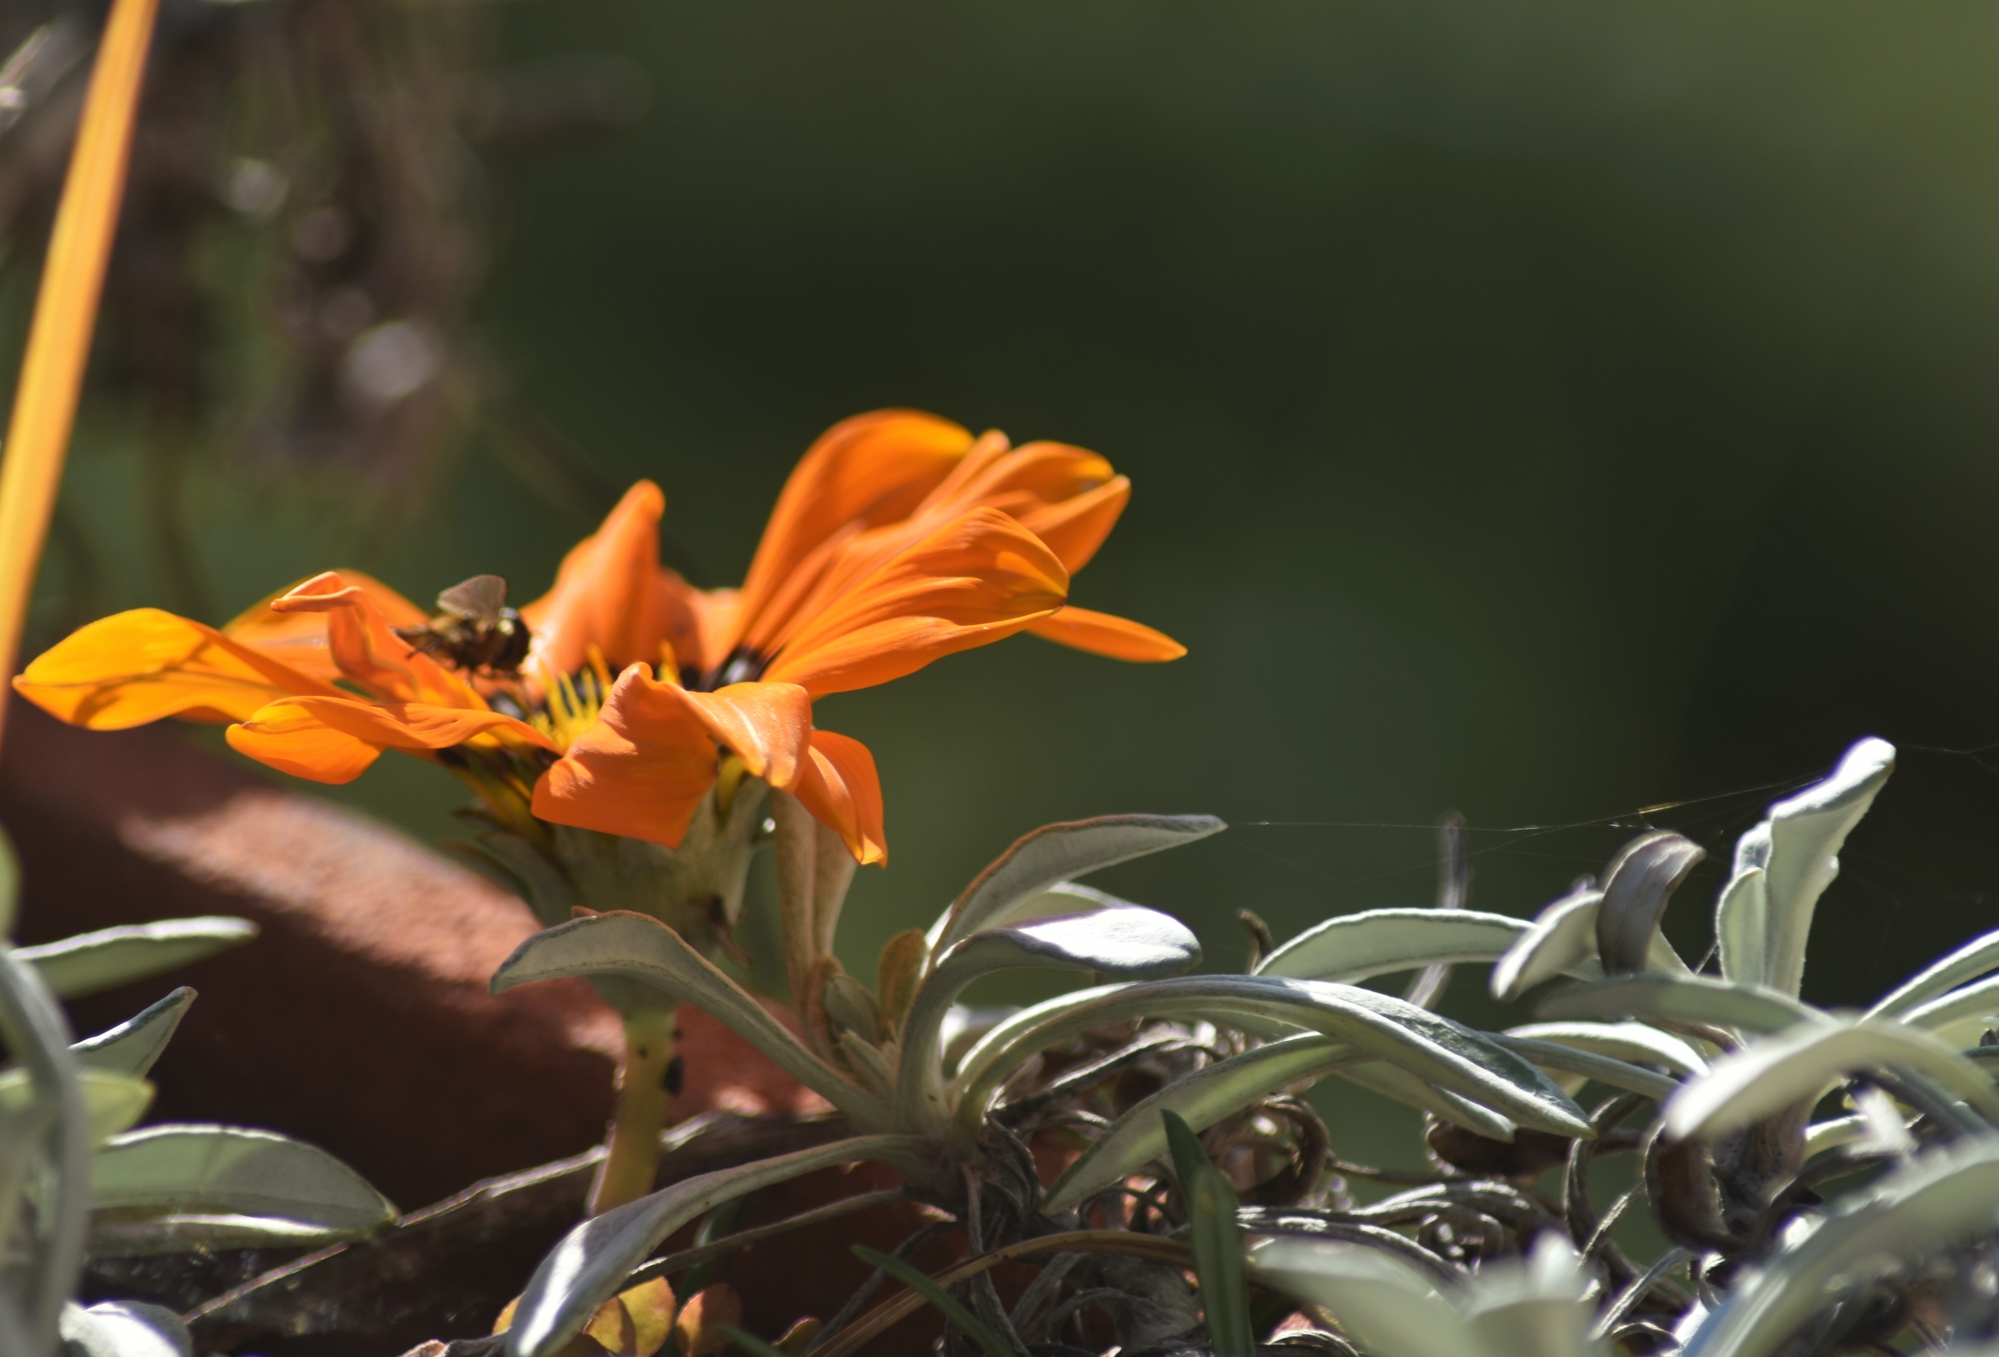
(109, 957)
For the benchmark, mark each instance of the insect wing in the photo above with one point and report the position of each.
(483, 598)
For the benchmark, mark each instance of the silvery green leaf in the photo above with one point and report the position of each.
(1399, 1085)
(1834, 1132)
(593, 1260)
(1128, 942)
(641, 950)
(1201, 1099)
(1943, 1199)
(1633, 1041)
(1975, 958)
(110, 957)
(1058, 853)
(1680, 998)
(1434, 1048)
(141, 1233)
(112, 1101)
(1565, 1059)
(1386, 1303)
(1356, 947)
(133, 1045)
(1637, 885)
(1960, 1017)
(1797, 1066)
(1534, 1307)
(1742, 911)
(35, 1034)
(200, 1169)
(1215, 1239)
(1561, 938)
(1802, 857)
(124, 1328)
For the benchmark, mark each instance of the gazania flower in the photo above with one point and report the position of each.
(897, 540)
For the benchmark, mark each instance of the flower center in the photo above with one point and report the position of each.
(743, 666)
(573, 704)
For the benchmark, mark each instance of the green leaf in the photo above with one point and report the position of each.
(1440, 1051)
(1797, 1066)
(1399, 1085)
(1763, 933)
(109, 957)
(1681, 998)
(227, 1170)
(1975, 958)
(641, 949)
(1560, 940)
(1215, 1238)
(593, 1260)
(1935, 1202)
(1637, 885)
(1633, 1041)
(987, 1341)
(1960, 1017)
(56, 1133)
(123, 1328)
(133, 1045)
(1383, 1301)
(1128, 942)
(1357, 947)
(1604, 1069)
(112, 1102)
(1058, 853)
(1201, 1099)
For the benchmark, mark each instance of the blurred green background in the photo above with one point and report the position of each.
(1543, 410)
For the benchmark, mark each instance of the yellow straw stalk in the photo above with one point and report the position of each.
(66, 313)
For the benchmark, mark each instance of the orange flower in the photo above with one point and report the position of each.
(273, 676)
(897, 540)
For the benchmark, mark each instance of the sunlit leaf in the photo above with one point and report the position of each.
(1798, 855)
(112, 1101)
(122, 1328)
(1565, 1059)
(968, 1323)
(1058, 853)
(1128, 942)
(109, 957)
(1399, 1085)
(641, 949)
(1201, 1099)
(1960, 1017)
(1975, 958)
(1386, 1303)
(133, 1045)
(1700, 999)
(1949, 1198)
(1560, 939)
(1633, 1041)
(593, 1260)
(227, 1170)
(1356, 947)
(1798, 1065)
(1440, 1051)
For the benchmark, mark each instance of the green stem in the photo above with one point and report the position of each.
(631, 1157)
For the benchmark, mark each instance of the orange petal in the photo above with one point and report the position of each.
(1033, 474)
(139, 666)
(972, 581)
(766, 725)
(333, 739)
(1102, 634)
(640, 771)
(612, 593)
(843, 792)
(299, 639)
(370, 654)
(1075, 527)
(867, 471)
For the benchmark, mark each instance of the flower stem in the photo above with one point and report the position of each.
(66, 312)
(632, 1153)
